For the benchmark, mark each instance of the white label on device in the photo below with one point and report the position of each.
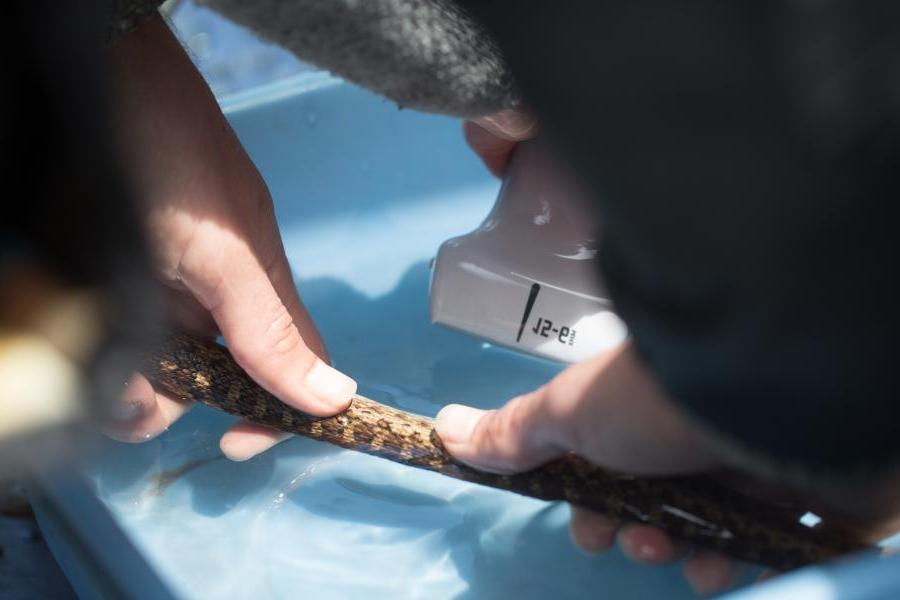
(566, 326)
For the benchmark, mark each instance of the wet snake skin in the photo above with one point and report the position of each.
(697, 509)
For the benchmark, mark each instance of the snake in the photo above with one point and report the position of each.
(698, 509)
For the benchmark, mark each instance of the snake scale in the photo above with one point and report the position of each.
(697, 509)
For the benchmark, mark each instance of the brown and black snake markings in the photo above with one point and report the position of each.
(696, 509)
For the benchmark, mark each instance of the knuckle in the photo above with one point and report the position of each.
(506, 431)
(281, 336)
(277, 347)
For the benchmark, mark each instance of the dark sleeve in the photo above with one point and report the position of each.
(423, 54)
(745, 158)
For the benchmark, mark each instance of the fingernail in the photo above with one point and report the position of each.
(330, 385)
(238, 450)
(514, 124)
(242, 448)
(455, 423)
(589, 541)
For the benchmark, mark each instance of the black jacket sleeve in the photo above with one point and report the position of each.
(745, 158)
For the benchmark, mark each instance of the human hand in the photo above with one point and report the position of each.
(219, 254)
(573, 414)
(495, 136)
(610, 411)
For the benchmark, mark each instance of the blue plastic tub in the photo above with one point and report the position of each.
(364, 194)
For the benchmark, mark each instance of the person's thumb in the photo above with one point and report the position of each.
(263, 333)
(528, 431)
(507, 440)
(606, 409)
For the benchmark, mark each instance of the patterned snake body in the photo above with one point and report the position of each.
(696, 509)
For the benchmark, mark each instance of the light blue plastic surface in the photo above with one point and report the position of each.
(364, 195)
